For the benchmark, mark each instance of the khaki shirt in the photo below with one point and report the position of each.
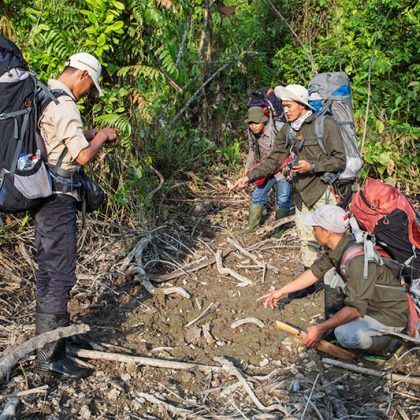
(386, 305)
(308, 186)
(60, 126)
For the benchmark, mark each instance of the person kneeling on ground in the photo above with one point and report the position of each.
(367, 305)
(262, 133)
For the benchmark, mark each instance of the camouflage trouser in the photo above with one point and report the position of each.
(308, 245)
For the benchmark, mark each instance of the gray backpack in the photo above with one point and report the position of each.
(330, 95)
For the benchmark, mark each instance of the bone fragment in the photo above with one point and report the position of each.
(229, 272)
(249, 320)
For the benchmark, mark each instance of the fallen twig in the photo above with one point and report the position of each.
(174, 410)
(11, 358)
(233, 370)
(38, 390)
(309, 398)
(187, 269)
(267, 229)
(365, 371)
(202, 315)
(144, 361)
(229, 272)
(403, 336)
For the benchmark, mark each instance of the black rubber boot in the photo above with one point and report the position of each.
(52, 358)
(280, 214)
(254, 219)
(385, 345)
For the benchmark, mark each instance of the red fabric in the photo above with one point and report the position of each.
(383, 199)
(261, 182)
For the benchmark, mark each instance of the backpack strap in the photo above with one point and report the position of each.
(319, 130)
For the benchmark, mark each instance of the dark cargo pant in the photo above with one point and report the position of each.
(56, 249)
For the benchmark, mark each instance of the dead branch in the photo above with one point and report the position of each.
(40, 389)
(267, 229)
(12, 357)
(233, 370)
(144, 361)
(171, 408)
(187, 269)
(371, 372)
(251, 256)
(140, 246)
(403, 336)
(229, 272)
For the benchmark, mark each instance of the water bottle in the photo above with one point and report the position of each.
(21, 163)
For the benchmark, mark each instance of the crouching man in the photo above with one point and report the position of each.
(368, 305)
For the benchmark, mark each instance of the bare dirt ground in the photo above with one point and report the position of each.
(286, 379)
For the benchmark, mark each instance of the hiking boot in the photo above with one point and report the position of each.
(254, 219)
(383, 346)
(280, 214)
(52, 358)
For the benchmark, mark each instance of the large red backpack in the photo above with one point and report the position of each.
(384, 212)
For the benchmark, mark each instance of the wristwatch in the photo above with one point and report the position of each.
(312, 168)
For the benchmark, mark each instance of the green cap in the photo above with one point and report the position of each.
(256, 115)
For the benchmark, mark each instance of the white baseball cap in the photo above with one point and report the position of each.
(86, 61)
(295, 93)
(332, 218)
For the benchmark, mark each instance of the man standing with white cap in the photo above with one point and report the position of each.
(298, 140)
(368, 305)
(68, 147)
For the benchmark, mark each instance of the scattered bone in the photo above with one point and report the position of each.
(202, 315)
(249, 320)
(229, 272)
(250, 255)
(165, 290)
(207, 334)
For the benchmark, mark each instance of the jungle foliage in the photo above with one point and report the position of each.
(177, 74)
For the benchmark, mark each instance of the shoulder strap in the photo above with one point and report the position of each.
(319, 131)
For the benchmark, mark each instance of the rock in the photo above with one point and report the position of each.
(264, 362)
(114, 394)
(85, 412)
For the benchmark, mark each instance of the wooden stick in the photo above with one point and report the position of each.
(171, 408)
(323, 345)
(233, 370)
(144, 361)
(270, 228)
(403, 336)
(40, 389)
(229, 272)
(12, 357)
(202, 315)
(371, 372)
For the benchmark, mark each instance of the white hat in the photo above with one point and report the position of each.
(85, 61)
(332, 218)
(295, 93)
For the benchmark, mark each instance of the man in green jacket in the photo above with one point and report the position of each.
(309, 164)
(367, 306)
